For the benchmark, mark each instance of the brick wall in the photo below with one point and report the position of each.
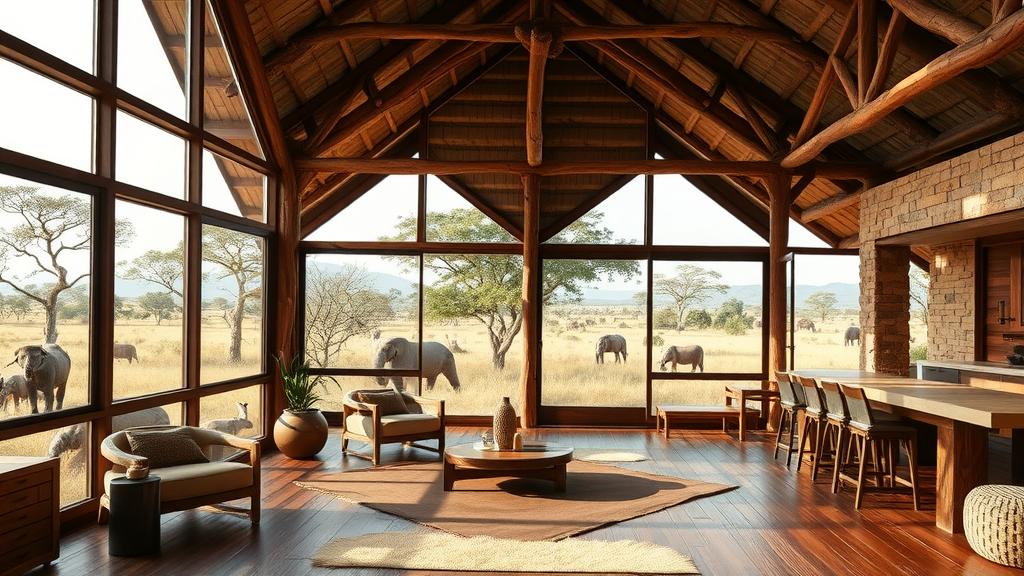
(986, 181)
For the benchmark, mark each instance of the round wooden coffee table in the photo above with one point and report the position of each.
(537, 460)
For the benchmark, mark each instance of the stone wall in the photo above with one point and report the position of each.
(986, 181)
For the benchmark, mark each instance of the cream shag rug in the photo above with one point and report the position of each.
(442, 551)
(606, 455)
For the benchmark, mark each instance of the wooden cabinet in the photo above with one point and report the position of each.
(29, 512)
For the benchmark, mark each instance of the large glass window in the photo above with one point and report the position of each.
(594, 333)
(224, 110)
(387, 211)
(707, 316)
(619, 219)
(43, 118)
(69, 444)
(67, 33)
(148, 300)
(149, 157)
(356, 302)
(452, 218)
(685, 216)
(232, 326)
(238, 413)
(827, 322)
(233, 188)
(152, 48)
(45, 257)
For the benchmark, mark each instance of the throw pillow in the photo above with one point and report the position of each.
(388, 401)
(164, 448)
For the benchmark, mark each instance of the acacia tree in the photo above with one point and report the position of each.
(919, 280)
(165, 269)
(340, 305)
(50, 231)
(239, 257)
(822, 304)
(691, 286)
(488, 287)
(159, 305)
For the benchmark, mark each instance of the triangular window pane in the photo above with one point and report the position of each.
(685, 216)
(152, 52)
(225, 112)
(800, 237)
(385, 212)
(452, 218)
(618, 219)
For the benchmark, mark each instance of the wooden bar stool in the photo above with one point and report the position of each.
(791, 407)
(815, 419)
(837, 416)
(880, 437)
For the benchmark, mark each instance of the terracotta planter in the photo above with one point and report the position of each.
(301, 434)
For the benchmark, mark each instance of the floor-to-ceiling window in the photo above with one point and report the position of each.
(134, 208)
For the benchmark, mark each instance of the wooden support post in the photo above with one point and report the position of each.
(778, 240)
(531, 299)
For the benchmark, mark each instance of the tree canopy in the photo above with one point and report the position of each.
(822, 304)
(692, 285)
(340, 305)
(52, 237)
(238, 256)
(488, 287)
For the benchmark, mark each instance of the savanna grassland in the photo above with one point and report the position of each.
(570, 373)
(159, 369)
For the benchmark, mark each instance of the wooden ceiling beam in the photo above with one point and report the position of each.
(449, 55)
(995, 42)
(828, 77)
(867, 46)
(985, 88)
(301, 43)
(893, 33)
(900, 120)
(982, 127)
(829, 170)
(498, 33)
(829, 206)
(937, 20)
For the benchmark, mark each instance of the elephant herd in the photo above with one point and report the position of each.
(44, 375)
(616, 344)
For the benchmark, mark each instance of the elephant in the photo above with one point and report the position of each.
(125, 352)
(15, 387)
(74, 437)
(613, 343)
(852, 334)
(403, 354)
(805, 324)
(692, 354)
(46, 369)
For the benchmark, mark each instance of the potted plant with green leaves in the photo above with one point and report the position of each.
(301, 431)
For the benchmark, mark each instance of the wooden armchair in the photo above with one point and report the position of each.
(374, 424)
(187, 486)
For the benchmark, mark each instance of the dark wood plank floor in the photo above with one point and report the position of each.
(778, 522)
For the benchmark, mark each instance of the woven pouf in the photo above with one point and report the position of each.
(994, 523)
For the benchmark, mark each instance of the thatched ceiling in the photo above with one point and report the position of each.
(737, 85)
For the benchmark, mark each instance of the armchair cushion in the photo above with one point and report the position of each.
(388, 401)
(165, 448)
(394, 425)
(193, 480)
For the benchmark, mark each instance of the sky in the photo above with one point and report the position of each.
(31, 116)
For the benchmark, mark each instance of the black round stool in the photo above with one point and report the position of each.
(134, 516)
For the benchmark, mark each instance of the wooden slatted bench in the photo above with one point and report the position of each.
(669, 415)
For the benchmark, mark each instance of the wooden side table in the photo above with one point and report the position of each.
(29, 512)
(741, 395)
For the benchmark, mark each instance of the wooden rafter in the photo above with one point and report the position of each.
(890, 42)
(828, 76)
(298, 45)
(540, 50)
(867, 46)
(938, 21)
(831, 170)
(995, 42)
(984, 126)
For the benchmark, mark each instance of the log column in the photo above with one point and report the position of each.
(531, 298)
(778, 241)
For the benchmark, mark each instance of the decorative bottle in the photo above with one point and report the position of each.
(504, 424)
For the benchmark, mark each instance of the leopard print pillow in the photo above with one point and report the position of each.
(165, 448)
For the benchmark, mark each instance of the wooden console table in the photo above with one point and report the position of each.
(29, 512)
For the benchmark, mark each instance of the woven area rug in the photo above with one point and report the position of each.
(520, 509)
(448, 552)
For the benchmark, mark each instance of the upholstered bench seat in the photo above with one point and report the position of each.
(394, 424)
(193, 480)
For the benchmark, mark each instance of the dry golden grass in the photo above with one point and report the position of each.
(159, 369)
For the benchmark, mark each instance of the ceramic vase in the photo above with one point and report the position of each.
(505, 424)
(300, 434)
